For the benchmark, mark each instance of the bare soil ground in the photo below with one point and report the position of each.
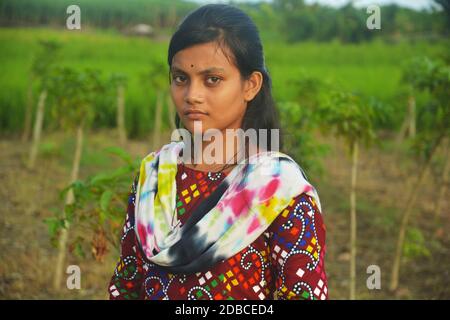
(27, 197)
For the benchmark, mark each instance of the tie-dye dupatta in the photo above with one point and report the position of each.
(241, 208)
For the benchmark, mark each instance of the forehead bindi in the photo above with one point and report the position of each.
(203, 58)
(208, 70)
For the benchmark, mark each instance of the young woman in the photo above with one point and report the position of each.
(246, 226)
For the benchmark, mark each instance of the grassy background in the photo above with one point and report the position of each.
(372, 69)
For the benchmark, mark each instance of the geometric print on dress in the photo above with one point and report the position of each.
(287, 257)
(300, 226)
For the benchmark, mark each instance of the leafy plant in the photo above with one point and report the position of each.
(100, 206)
(351, 118)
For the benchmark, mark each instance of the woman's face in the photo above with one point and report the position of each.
(207, 87)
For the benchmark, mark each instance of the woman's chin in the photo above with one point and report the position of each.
(199, 126)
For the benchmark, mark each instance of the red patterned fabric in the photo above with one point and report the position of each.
(285, 262)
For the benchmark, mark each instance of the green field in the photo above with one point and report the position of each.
(371, 69)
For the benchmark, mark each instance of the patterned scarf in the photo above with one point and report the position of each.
(241, 208)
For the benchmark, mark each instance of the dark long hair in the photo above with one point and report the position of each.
(233, 29)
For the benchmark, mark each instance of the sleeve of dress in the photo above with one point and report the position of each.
(297, 251)
(128, 275)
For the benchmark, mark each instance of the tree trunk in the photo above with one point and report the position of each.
(444, 180)
(411, 116)
(353, 222)
(28, 111)
(121, 114)
(411, 200)
(158, 119)
(69, 200)
(409, 124)
(37, 129)
(402, 132)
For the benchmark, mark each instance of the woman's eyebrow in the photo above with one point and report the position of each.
(206, 71)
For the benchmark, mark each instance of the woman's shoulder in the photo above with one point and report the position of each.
(302, 209)
(304, 202)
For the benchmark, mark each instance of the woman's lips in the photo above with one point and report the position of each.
(195, 115)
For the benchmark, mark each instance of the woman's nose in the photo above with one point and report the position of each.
(194, 93)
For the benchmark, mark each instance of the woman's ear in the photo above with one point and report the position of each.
(252, 85)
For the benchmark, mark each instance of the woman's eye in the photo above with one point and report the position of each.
(179, 79)
(213, 80)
